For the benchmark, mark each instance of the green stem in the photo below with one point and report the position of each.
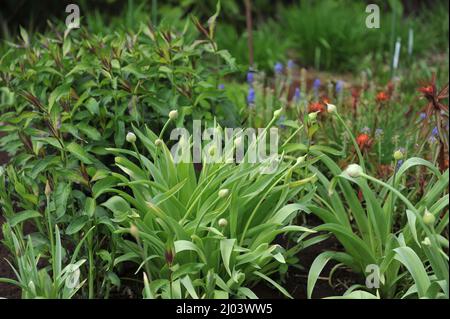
(358, 151)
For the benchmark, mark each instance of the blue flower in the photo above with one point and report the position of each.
(423, 116)
(278, 68)
(251, 97)
(250, 77)
(281, 121)
(432, 140)
(435, 132)
(339, 86)
(316, 84)
(379, 132)
(221, 87)
(365, 130)
(297, 95)
(399, 164)
(291, 64)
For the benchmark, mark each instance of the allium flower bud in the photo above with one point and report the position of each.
(277, 113)
(158, 142)
(224, 193)
(426, 241)
(48, 189)
(428, 218)
(131, 138)
(398, 155)
(301, 159)
(331, 108)
(223, 222)
(173, 115)
(312, 116)
(134, 231)
(354, 170)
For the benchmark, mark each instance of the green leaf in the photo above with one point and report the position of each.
(187, 283)
(76, 225)
(412, 262)
(23, 216)
(117, 205)
(62, 193)
(276, 285)
(226, 248)
(77, 151)
(57, 93)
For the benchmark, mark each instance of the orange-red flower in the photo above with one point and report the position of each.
(325, 100)
(316, 107)
(364, 141)
(382, 97)
(427, 90)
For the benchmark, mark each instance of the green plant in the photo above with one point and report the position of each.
(201, 234)
(87, 89)
(51, 282)
(366, 226)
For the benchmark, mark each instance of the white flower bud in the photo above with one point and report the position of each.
(223, 193)
(131, 138)
(223, 222)
(134, 231)
(428, 218)
(277, 113)
(331, 108)
(173, 115)
(158, 142)
(312, 116)
(398, 155)
(354, 170)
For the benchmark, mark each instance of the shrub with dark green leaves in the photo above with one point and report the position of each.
(60, 92)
